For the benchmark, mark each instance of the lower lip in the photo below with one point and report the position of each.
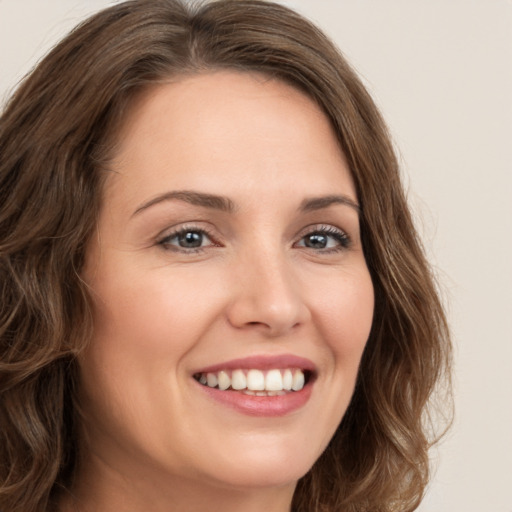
(270, 406)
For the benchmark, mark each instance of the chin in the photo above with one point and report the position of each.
(263, 475)
(263, 466)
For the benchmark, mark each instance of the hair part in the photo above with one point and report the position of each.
(57, 133)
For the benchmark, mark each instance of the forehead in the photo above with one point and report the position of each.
(204, 130)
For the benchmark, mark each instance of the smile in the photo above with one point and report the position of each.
(264, 386)
(272, 382)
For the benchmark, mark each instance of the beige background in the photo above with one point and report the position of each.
(441, 70)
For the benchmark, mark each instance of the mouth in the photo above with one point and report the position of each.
(256, 382)
(259, 385)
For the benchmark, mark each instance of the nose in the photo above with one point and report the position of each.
(267, 297)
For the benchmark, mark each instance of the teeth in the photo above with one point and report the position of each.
(274, 382)
(287, 380)
(224, 381)
(211, 380)
(298, 380)
(238, 380)
(255, 380)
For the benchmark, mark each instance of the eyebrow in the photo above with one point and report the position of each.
(227, 205)
(196, 198)
(318, 203)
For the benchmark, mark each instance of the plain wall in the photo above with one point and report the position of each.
(441, 71)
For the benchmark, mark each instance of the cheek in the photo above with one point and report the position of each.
(144, 326)
(346, 309)
(344, 314)
(155, 311)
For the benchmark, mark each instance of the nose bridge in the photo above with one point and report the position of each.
(267, 295)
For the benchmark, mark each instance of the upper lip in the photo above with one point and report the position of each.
(261, 362)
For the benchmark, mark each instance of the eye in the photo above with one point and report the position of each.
(326, 239)
(186, 239)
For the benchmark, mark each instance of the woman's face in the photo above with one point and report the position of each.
(227, 255)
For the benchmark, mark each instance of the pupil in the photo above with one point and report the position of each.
(316, 241)
(191, 239)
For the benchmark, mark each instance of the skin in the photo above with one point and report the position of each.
(153, 440)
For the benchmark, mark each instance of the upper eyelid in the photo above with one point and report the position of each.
(186, 226)
(321, 227)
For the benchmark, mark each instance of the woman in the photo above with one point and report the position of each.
(212, 291)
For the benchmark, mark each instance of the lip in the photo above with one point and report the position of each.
(263, 406)
(262, 362)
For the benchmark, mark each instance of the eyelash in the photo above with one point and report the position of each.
(182, 231)
(342, 239)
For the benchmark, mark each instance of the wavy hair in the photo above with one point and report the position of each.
(56, 132)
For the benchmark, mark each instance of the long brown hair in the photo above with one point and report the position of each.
(56, 132)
